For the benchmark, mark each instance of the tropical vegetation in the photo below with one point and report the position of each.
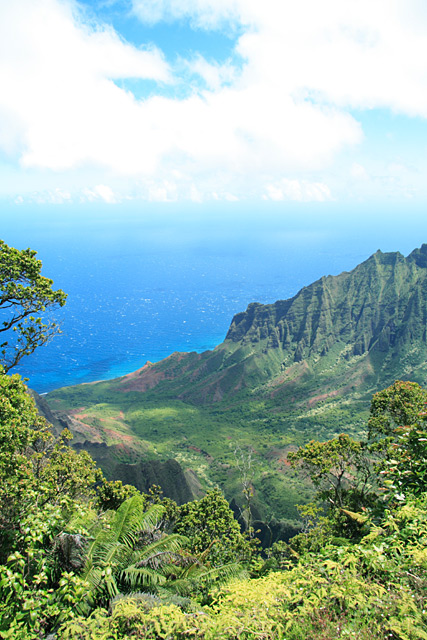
(83, 557)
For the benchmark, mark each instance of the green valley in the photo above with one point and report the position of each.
(286, 373)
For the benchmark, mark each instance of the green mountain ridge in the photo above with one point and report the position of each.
(286, 372)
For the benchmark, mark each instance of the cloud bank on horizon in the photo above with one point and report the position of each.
(311, 101)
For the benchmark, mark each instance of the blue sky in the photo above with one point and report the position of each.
(212, 101)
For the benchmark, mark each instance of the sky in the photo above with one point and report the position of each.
(210, 101)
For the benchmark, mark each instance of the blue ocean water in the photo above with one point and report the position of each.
(143, 283)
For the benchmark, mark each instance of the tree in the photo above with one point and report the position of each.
(398, 437)
(20, 427)
(24, 295)
(210, 526)
(36, 468)
(339, 468)
(401, 403)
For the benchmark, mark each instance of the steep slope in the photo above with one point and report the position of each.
(299, 368)
(363, 324)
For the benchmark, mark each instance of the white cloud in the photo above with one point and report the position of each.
(207, 14)
(286, 111)
(298, 190)
(100, 192)
(389, 180)
(214, 75)
(358, 53)
(58, 96)
(47, 196)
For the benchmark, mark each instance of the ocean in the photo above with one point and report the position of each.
(143, 282)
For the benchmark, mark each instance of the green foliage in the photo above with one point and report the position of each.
(34, 593)
(41, 480)
(210, 526)
(24, 295)
(128, 551)
(341, 592)
(398, 405)
(398, 437)
(35, 467)
(170, 508)
(112, 493)
(20, 428)
(340, 469)
(104, 566)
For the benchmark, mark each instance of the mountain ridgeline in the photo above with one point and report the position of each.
(286, 372)
(358, 327)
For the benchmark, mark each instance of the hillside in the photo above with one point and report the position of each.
(286, 372)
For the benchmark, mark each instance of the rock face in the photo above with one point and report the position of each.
(182, 486)
(379, 305)
(366, 323)
(44, 410)
(167, 475)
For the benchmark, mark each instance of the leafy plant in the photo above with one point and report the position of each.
(24, 295)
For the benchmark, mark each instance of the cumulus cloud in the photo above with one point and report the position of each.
(286, 110)
(58, 95)
(351, 53)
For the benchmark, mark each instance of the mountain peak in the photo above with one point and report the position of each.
(367, 324)
(419, 256)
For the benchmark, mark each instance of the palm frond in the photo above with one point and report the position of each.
(191, 578)
(128, 517)
(82, 522)
(154, 552)
(141, 577)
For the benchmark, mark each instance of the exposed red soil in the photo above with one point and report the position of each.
(203, 453)
(281, 456)
(124, 448)
(88, 431)
(117, 435)
(283, 380)
(74, 412)
(324, 396)
(143, 379)
(148, 376)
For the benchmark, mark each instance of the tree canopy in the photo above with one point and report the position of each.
(86, 559)
(25, 295)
